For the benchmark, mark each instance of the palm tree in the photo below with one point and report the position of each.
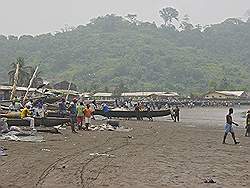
(24, 72)
(168, 14)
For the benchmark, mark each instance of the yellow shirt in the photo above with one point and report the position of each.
(24, 113)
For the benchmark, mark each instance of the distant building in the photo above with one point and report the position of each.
(226, 95)
(103, 96)
(149, 94)
(5, 91)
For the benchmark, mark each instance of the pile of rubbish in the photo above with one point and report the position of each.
(3, 152)
(109, 126)
(17, 134)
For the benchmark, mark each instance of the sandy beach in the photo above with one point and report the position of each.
(154, 154)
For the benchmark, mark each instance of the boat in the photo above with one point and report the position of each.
(47, 121)
(133, 114)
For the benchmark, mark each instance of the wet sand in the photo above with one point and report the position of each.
(153, 154)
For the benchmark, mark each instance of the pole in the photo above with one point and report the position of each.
(13, 92)
(67, 96)
(30, 84)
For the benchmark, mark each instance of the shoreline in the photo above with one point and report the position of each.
(153, 154)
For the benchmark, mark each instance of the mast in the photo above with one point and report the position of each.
(13, 92)
(30, 84)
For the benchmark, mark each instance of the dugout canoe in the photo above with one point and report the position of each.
(47, 122)
(133, 114)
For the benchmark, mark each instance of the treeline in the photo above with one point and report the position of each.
(112, 53)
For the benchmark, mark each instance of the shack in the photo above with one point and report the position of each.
(226, 95)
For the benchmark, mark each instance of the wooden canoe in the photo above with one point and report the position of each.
(47, 122)
(133, 114)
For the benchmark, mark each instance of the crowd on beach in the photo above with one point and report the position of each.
(81, 112)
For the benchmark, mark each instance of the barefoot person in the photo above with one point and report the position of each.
(88, 114)
(229, 127)
(73, 114)
(248, 124)
(79, 118)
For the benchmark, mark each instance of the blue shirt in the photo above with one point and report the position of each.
(106, 108)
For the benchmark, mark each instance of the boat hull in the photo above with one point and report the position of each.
(134, 114)
(47, 122)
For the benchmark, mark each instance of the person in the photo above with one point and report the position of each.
(248, 124)
(18, 105)
(172, 113)
(229, 127)
(176, 114)
(93, 107)
(62, 108)
(30, 103)
(150, 118)
(26, 115)
(141, 109)
(72, 114)
(79, 118)
(106, 111)
(12, 107)
(137, 111)
(88, 114)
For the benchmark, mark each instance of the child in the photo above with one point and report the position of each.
(88, 114)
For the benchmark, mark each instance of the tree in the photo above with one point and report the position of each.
(121, 88)
(132, 18)
(168, 14)
(235, 21)
(198, 26)
(185, 24)
(24, 72)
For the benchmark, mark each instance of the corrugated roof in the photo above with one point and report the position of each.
(231, 93)
(147, 94)
(102, 95)
(9, 88)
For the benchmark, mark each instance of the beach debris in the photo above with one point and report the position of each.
(15, 128)
(209, 180)
(54, 130)
(101, 154)
(21, 136)
(3, 126)
(3, 152)
(45, 149)
(108, 127)
(129, 136)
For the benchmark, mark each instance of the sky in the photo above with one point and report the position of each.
(19, 17)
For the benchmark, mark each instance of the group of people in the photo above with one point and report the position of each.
(78, 113)
(175, 114)
(27, 111)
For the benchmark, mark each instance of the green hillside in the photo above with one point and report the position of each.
(111, 50)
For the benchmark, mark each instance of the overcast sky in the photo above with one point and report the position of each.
(42, 16)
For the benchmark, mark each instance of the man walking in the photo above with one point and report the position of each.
(229, 127)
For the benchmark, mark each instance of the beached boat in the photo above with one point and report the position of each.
(133, 114)
(47, 122)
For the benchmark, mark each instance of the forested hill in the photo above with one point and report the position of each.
(112, 51)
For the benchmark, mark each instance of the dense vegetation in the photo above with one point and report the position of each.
(112, 52)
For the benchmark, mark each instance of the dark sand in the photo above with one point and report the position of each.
(159, 154)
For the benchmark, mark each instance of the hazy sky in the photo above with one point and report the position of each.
(40, 16)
